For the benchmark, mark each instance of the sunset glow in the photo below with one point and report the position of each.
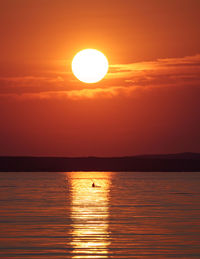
(99, 129)
(99, 78)
(90, 66)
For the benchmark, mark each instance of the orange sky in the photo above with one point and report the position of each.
(148, 102)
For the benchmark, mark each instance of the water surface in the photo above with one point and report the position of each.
(130, 215)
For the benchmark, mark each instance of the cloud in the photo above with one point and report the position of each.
(161, 72)
(122, 80)
(76, 94)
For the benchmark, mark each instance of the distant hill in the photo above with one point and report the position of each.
(185, 155)
(165, 163)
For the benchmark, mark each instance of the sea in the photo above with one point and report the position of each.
(126, 215)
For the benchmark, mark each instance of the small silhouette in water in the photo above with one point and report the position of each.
(96, 186)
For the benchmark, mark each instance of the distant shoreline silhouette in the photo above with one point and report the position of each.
(183, 162)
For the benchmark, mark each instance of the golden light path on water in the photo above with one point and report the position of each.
(89, 214)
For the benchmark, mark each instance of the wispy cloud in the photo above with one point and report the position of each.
(76, 94)
(160, 72)
(122, 80)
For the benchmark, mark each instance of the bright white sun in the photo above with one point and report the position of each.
(90, 65)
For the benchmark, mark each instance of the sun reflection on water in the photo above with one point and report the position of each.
(89, 214)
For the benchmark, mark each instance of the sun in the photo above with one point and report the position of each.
(90, 66)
